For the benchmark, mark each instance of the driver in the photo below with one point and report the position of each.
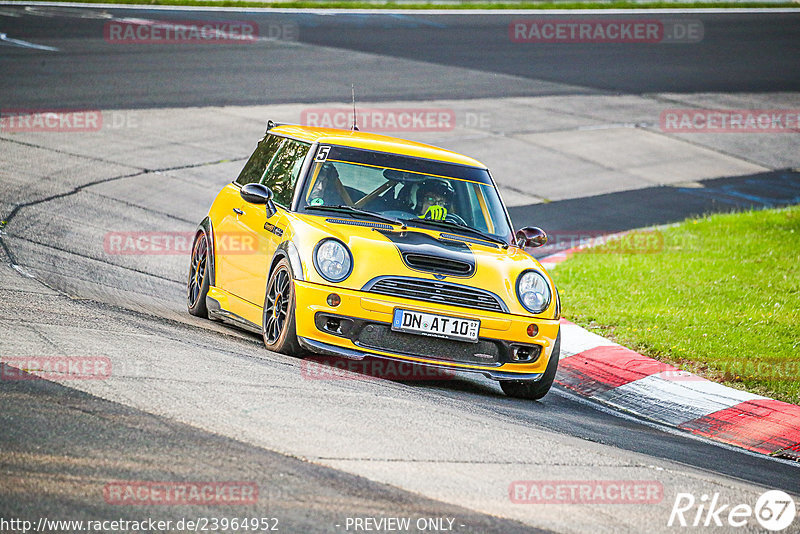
(327, 189)
(433, 197)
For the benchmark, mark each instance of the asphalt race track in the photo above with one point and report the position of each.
(738, 53)
(572, 134)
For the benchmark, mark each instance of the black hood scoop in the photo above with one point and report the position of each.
(422, 252)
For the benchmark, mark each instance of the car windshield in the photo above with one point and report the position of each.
(406, 189)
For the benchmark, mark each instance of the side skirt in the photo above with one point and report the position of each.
(222, 306)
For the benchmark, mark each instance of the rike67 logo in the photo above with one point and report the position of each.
(774, 511)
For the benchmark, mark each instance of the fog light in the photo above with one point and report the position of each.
(334, 300)
(522, 353)
(533, 330)
(333, 325)
(525, 353)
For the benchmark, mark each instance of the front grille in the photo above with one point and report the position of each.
(437, 264)
(381, 337)
(436, 292)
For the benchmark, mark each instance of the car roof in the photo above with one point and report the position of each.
(371, 141)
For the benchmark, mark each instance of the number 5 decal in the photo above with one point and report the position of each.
(322, 153)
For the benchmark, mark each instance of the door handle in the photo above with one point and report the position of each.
(238, 211)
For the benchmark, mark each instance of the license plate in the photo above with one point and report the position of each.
(435, 325)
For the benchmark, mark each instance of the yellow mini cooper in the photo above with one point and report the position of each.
(354, 245)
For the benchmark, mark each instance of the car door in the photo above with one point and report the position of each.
(254, 238)
(226, 214)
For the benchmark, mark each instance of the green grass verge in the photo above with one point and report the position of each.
(445, 4)
(720, 299)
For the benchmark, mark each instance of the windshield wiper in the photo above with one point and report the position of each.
(356, 211)
(457, 227)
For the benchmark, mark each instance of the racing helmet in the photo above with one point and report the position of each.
(435, 186)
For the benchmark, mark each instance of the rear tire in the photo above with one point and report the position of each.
(197, 286)
(278, 319)
(527, 389)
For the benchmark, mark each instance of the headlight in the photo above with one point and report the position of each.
(332, 260)
(533, 291)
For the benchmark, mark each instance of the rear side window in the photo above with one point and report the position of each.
(284, 169)
(254, 169)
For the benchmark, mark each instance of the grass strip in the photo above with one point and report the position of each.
(718, 296)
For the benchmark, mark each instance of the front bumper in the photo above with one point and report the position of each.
(369, 315)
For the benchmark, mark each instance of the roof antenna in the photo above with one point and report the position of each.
(353, 89)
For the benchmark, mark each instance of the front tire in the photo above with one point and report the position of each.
(527, 389)
(278, 319)
(197, 286)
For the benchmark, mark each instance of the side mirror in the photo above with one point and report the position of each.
(531, 236)
(259, 194)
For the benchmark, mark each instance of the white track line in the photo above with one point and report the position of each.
(25, 44)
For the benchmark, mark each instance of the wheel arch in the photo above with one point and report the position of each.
(288, 250)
